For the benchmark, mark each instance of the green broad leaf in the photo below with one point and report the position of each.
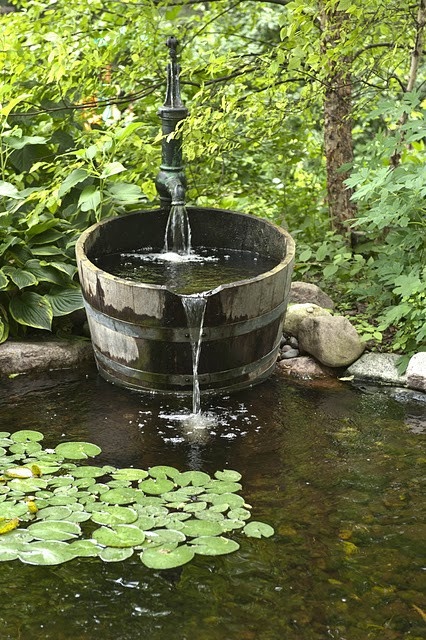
(156, 486)
(161, 471)
(44, 273)
(47, 250)
(120, 535)
(258, 530)
(27, 448)
(47, 236)
(231, 525)
(217, 486)
(28, 485)
(26, 435)
(111, 169)
(214, 546)
(239, 514)
(208, 514)
(4, 280)
(46, 553)
(99, 488)
(10, 510)
(192, 507)
(8, 190)
(9, 552)
(20, 277)
(151, 510)
(196, 478)
(231, 499)
(54, 513)
(84, 548)
(65, 500)
(129, 474)
(164, 558)
(149, 501)
(79, 516)
(19, 472)
(112, 515)
(196, 528)
(65, 301)
(90, 198)
(228, 475)
(88, 471)
(75, 177)
(54, 530)
(20, 143)
(162, 537)
(124, 193)
(115, 554)
(77, 450)
(119, 483)
(15, 538)
(123, 495)
(32, 310)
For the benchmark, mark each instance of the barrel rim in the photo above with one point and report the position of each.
(284, 263)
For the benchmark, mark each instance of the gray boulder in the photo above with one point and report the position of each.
(29, 357)
(304, 368)
(302, 292)
(377, 366)
(332, 340)
(416, 371)
(296, 313)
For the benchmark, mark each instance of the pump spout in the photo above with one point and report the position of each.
(171, 181)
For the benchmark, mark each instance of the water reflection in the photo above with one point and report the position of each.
(336, 471)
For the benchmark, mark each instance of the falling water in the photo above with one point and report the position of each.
(195, 307)
(178, 232)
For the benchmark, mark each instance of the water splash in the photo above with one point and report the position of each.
(195, 307)
(178, 231)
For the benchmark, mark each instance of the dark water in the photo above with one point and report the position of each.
(203, 271)
(336, 471)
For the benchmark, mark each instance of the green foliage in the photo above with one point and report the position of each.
(52, 508)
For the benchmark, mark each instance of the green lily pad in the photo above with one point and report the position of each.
(8, 553)
(162, 471)
(192, 507)
(28, 485)
(231, 525)
(208, 514)
(164, 558)
(196, 478)
(114, 515)
(54, 530)
(217, 486)
(84, 548)
(130, 474)
(46, 553)
(196, 528)
(228, 475)
(115, 554)
(233, 500)
(125, 495)
(164, 537)
(11, 510)
(25, 435)
(239, 514)
(88, 471)
(19, 472)
(214, 546)
(120, 535)
(99, 488)
(146, 522)
(54, 513)
(77, 450)
(156, 486)
(25, 448)
(258, 530)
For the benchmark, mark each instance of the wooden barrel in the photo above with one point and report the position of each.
(139, 331)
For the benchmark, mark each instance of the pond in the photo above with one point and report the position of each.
(334, 469)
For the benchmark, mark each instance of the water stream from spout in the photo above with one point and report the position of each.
(178, 231)
(195, 307)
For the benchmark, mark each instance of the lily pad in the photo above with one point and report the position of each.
(214, 546)
(161, 471)
(54, 513)
(130, 474)
(156, 486)
(258, 530)
(25, 448)
(114, 515)
(231, 525)
(77, 450)
(26, 435)
(28, 485)
(192, 507)
(120, 535)
(196, 478)
(19, 472)
(164, 558)
(115, 554)
(196, 528)
(228, 475)
(165, 536)
(233, 500)
(84, 548)
(54, 530)
(239, 514)
(217, 486)
(125, 495)
(88, 471)
(46, 553)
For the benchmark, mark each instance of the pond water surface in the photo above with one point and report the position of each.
(336, 471)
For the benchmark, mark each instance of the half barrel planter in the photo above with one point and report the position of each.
(139, 331)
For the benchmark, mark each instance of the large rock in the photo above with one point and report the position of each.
(296, 313)
(377, 366)
(332, 340)
(302, 292)
(304, 368)
(416, 371)
(27, 357)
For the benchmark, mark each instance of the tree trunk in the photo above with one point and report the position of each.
(338, 144)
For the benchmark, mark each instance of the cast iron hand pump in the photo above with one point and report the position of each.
(171, 182)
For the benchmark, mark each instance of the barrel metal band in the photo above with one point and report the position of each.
(168, 380)
(181, 334)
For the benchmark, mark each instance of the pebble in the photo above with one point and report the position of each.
(290, 353)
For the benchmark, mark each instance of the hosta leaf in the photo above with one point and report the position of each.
(20, 277)
(32, 310)
(114, 515)
(46, 553)
(120, 535)
(214, 546)
(164, 558)
(54, 530)
(77, 450)
(258, 530)
(44, 273)
(65, 301)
